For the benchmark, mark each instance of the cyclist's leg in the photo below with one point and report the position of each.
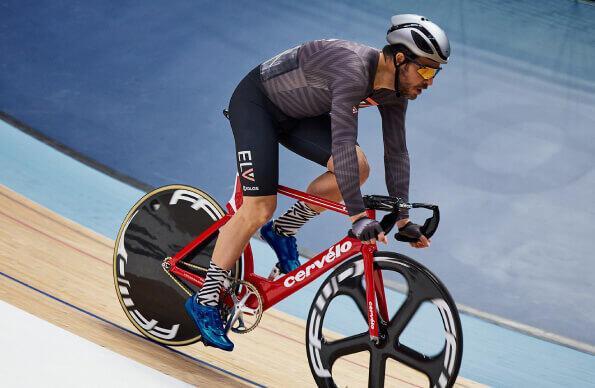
(257, 153)
(311, 138)
(235, 235)
(256, 137)
(326, 185)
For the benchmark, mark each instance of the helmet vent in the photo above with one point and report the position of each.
(421, 42)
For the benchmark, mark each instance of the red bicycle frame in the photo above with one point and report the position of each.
(273, 291)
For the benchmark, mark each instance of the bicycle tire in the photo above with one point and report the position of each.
(161, 223)
(441, 369)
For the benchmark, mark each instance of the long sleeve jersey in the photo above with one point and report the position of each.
(337, 77)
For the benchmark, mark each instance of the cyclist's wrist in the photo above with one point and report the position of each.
(356, 217)
(402, 222)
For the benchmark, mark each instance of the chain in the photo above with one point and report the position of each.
(193, 266)
(165, 266)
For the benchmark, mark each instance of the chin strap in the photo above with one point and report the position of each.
(397, 91)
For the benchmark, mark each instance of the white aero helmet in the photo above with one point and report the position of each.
(422, 37)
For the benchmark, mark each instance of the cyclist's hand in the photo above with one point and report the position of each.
(423, 242)
(412, 230)
(368, 230)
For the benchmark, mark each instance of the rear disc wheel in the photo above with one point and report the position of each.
(158, 226)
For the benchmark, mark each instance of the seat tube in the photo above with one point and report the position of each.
(368, 253)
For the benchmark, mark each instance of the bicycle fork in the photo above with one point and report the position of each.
(375, 297)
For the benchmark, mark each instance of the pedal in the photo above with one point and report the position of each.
(241, 324)
(275, 272)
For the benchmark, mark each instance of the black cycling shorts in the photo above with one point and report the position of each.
(259, 126)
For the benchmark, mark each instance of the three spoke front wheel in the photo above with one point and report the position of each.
(339, 347)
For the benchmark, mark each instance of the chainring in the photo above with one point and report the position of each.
(240, 318)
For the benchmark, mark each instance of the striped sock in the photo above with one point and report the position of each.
(293, 219)
(208, 295)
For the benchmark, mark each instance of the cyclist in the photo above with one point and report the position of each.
(307, 98)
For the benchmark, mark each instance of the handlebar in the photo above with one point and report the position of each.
(393, 205)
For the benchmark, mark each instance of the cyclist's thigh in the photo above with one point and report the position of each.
(310, 138)
(256, 140)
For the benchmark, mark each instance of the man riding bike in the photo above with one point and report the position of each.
(307, 98)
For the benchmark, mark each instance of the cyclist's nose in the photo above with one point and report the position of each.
(429, 82)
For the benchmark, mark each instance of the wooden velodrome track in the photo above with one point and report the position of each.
(62, 272)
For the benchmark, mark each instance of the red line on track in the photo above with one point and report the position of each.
(53, 220)
(51, 237)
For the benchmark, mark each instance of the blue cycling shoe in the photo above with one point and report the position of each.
(284, 247)
(209, 323)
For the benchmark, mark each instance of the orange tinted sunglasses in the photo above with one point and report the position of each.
(426, 72)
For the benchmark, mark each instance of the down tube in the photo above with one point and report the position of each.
(273, 292)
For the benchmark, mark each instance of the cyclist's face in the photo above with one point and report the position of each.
(411, 82)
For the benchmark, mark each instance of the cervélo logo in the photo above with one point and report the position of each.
(331, 255)
(371, 314)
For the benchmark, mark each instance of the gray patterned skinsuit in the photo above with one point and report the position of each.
(329, 78)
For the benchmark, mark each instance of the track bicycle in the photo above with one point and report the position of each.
(162, 252)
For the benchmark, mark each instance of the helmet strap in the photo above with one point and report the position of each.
(397, 91)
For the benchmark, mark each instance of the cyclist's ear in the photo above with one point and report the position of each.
(400, 57)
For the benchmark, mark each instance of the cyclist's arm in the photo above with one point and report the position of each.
(348, 81)
(396, 157)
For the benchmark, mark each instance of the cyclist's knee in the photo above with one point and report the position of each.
(364, 167)
(362, 161)
(258, 210)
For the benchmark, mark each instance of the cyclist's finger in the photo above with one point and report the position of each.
(382, 237)
(417, 244)
(423, 240)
